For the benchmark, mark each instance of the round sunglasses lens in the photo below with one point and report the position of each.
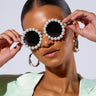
(54, 29)
(31, 38)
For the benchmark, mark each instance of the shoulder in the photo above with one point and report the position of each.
(23, 84)
(29, 78)
(4, 80)
(88, 87)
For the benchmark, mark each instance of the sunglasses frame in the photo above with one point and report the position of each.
(40, 36)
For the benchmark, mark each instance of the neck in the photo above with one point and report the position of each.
(64, 78)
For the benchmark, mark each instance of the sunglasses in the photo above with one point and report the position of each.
(53, 29)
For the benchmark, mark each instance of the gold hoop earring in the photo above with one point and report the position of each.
(30, 62)
(75, 45)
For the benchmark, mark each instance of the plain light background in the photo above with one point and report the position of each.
(10, 12)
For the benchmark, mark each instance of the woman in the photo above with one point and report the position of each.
(60, 77)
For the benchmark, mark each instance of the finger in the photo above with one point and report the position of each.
(79, 15)
(11, 35)
(68, 18)
(16, 49)
(4, 43)
(6, 37)
(17, 35)
(76, 29)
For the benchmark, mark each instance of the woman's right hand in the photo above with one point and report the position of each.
(7, 38)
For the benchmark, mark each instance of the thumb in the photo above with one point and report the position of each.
(16, 49)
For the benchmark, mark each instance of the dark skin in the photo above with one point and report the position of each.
(60, 78)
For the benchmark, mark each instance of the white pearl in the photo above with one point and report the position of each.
(62, 27)
(36, 47)
(30, 29)
(36, 30)
(44, 28)
(61, 24)
(33, 29)
(49, 37)
(22, 37)
(44, 31)
(58, 38)
(40, 36)
(55, 20)
(49, 21)
(45, 25)
(63, 30)
(46, 34)
(58, 21)
(27, 30)
(39, 33)
(55, 38)
(62, 33)
(61, 36)
(39, 42)
(24, 32)
(32, 48)
(52, 19)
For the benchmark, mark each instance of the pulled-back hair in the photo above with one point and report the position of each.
(29, 5)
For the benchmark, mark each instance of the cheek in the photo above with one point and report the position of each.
(66, 45)
(67, 41)
(38, 53)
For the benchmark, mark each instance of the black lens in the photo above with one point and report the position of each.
(31, 38)
(54, 29)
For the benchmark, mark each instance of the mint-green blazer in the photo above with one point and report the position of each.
(24, 85)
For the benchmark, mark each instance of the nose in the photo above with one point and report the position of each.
(46, 42)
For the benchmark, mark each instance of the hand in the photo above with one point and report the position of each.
(6, 40)
(88, 19)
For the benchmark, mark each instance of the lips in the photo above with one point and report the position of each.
(50, 51)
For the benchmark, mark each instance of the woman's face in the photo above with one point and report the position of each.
(36, 18)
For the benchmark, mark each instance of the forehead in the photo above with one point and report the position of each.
(37, 17)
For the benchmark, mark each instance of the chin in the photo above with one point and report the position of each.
(54, 63)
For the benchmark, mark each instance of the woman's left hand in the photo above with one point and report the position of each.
(88, 19)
